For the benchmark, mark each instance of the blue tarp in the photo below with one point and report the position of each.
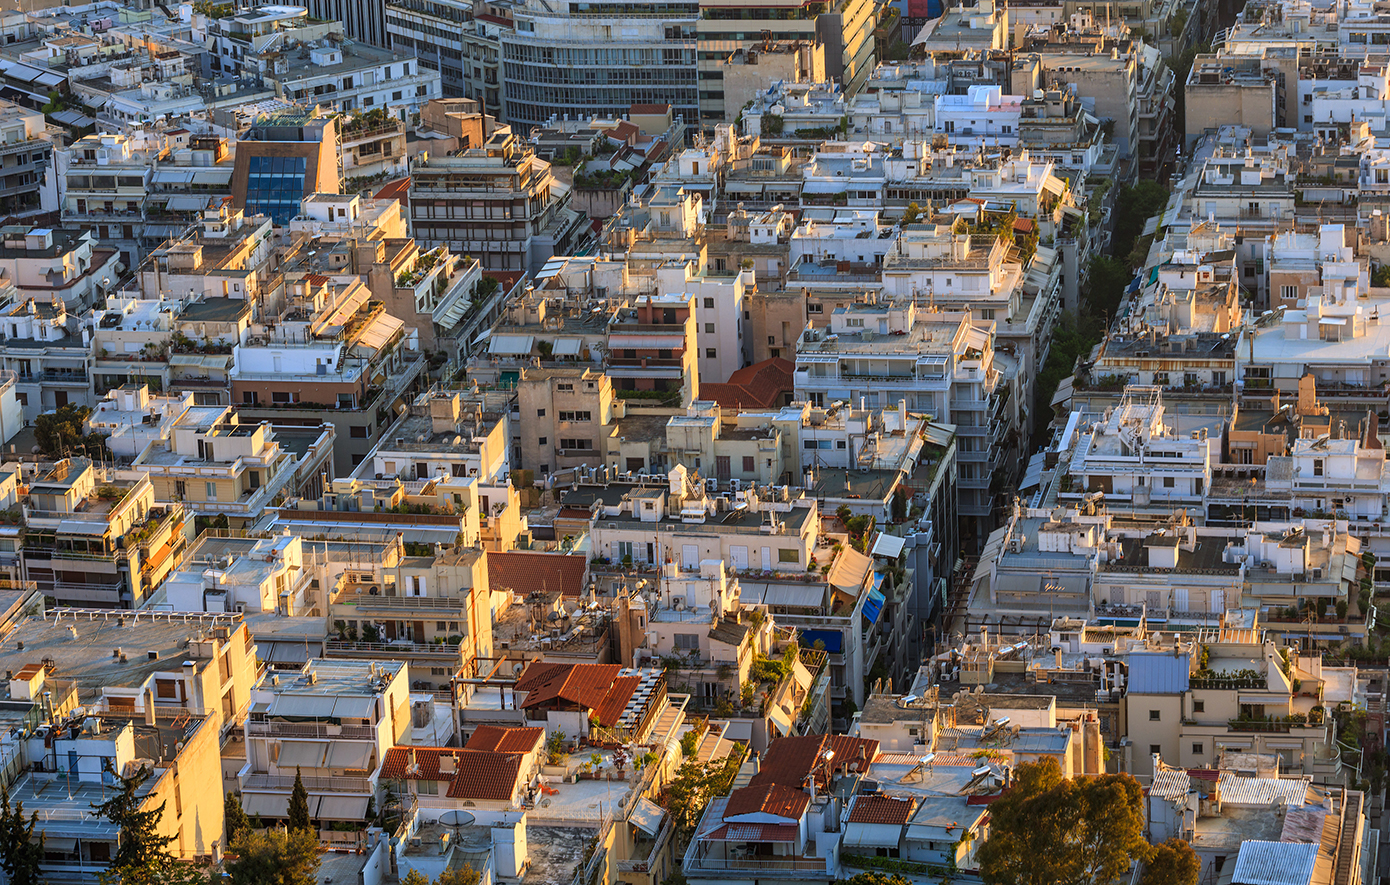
(874, 604)
(833, 640)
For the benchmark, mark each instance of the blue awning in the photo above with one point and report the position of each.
(832, 639)
(874, 604)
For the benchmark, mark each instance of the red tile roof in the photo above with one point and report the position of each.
(773, 799)
(485, 776)
(585, 685)
(759, 386)
(881, 810)
(790, 760)
(505, 740)
(525, 570)
(395, 190)
(478, 774)
(398, 759)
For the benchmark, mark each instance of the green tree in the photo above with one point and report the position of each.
(236, 818)
(1172, 863)
(913, 213)
(415, 877)
(275, 858)
(20, 852)
(61, 433)
(299, 803)
(878, 879)
(1135, 205)
(1049, 830)
(464, 875)
(694, 785)
(141, 857)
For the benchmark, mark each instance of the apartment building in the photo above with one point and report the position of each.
(27, 180)
(940, 363)
(95, 537)
(44, 263)
(217, 466)
(163, 708)
(331, 724)
(598, 63)
(496, 202)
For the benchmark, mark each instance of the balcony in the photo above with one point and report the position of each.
(398, 604)
(343, 648)
(285, 783)
(273, 728)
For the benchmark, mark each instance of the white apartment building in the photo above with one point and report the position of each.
(985, 114)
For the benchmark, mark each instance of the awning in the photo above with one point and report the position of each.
(796, 595)
(511, 345)
(873, 605)
(298, 707)
(82, 527)
(976, 338)
(567, 346)
(850, 569)
(342, 808)
(646, 815)
(1032, 477)
(823, 187)
(184, 203)
(890, 546)
(218, 177)
(265, 805)
(801, 674)
(302, 754)
(1328, 321)
(63, 845)
(861, 835)
(349, 754)
(780, 718)
(354, 707)
(753, 833)
(379, 331)
(653, 341)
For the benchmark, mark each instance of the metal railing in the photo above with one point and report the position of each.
(310, 730)
(312, 783)
(389, 649)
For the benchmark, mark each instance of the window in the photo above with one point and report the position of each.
(1153, 715)
(575, 416)
(281, 396)
(1317, 467)
(813, 308)
(1199, 706)
(1155, 750)
(788, 554)
(771, 339)
(583, 445)
(709, 328)
(710, 353)
(360, 432)
(709, 304)
(249, 397)
(274, 186)
(1168, 482)
(749, 465)
(687, 641)
(212, 491)
(540, 413)
(541, 441)
(1288, 293)
(1197, 748)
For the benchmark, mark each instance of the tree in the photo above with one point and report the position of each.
(1049, 830)
(415, 877)
(464, 875)
(141, 855)
(1172, 863)
(299, 803)
(275, 858)
(878, 879)
(20, 853)
(61, 433)
(694, 785)
(913, 213)
(235, 817)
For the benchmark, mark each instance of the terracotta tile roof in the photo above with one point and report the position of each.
(773, 799)
(505, 740)
(395, 190)
(398, 759)
(485, 776)
(586, 685)
(650, 108)
(881, 810)
(790, 760)
(478, 774)
(753, 833)
(759, 386)
(611, 710)
(524, 571)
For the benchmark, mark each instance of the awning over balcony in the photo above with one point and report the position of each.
(265, 805)
(511, 345)
(349, 754)
(568, 346)
(342, 808)
(186, 203)
(781, 719)
(62, 845)
(354, 707)
(302, 754)
(299, 708)
(890, 546)
(753, 833)
(861, 835)
(646, 816)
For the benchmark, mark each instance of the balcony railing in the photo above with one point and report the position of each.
(314, 784)
(389, 649)
(421, 603)
(272, 728)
